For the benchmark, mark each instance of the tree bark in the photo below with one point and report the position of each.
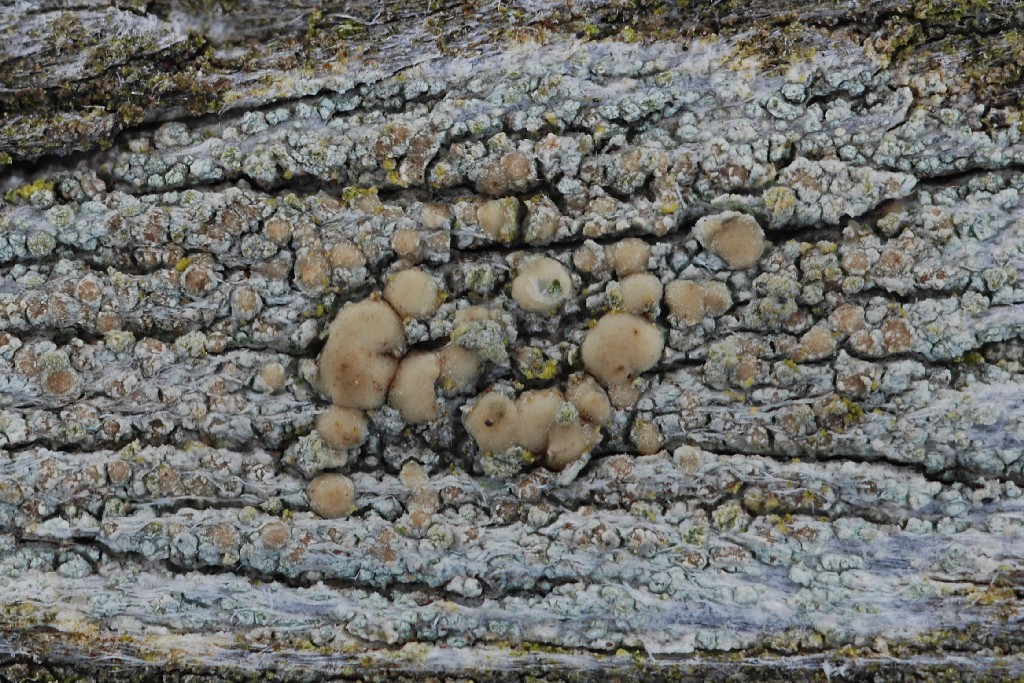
(818, 479)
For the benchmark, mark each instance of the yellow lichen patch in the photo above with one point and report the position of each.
(412, 293)
(460, 368)
(332, 496)
(589, 397)
(533, 364)
(492, 422)
(542, 285)
(362, 199)
(361, 354)
(342, 427)
(641, 293)
(620, 347)
(536, 411)
(629, 256)
(734, 237)
(412, 392)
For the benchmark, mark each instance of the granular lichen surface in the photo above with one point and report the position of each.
(597, 354)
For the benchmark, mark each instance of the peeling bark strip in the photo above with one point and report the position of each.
(819, 476)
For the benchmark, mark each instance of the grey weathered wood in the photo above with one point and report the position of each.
(852, 510)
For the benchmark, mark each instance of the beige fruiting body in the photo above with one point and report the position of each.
(540, 422)
(536, 411)
(413, 476)
(492, 422)
(641, 293)
(542, 285)
(685, 301)
(734, 237)
(629, 256)
(422, 502)
(717, 298)
(566, 443)
(413, 391)
(459, 368)
(273, 376)
(361, 355)
(408, 245)
(342, 427)
(620, 347)
(499, 218)
(331, 496)
(412, 293)
(435, 216)
(624, 395)
(589, 397)
(646, 437)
